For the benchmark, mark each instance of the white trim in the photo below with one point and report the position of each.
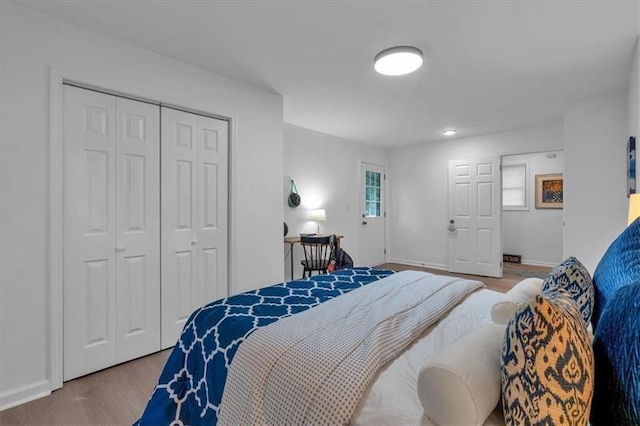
(55, 234)
(24, 394)
(439, 266)
(232, 207)
(443, 267)
(55, 254)
(539, 263)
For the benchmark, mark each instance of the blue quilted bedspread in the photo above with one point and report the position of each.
(190, 387)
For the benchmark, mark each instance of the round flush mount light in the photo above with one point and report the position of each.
(449, 132)
(399, 60)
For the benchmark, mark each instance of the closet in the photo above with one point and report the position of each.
(130, 283)
(194, 216)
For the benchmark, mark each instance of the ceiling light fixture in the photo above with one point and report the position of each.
(399, 60)
(449, 132)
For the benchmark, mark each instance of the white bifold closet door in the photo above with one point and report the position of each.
(194, 216)
(111, 230)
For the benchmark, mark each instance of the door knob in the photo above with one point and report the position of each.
(364, 222)
(452, 226)
(120, 247)
(194, 242)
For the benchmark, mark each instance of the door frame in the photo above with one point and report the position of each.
(361, 206)
(503, 154)
(55, 201)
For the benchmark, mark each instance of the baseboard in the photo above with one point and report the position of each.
(444, 267)
(539, 263)
(418, 263)
(24, 394)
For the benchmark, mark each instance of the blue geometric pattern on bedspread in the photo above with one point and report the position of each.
(190, 387)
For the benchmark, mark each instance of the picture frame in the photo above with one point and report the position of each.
(632, 163)
(549, 191)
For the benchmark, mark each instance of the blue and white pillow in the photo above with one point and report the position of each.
(547, 364)
(619, 266)
(572, 279)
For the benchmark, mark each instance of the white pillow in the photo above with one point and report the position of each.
(515, 298)
(461, 384)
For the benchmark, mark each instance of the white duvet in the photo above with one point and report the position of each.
(392, 399)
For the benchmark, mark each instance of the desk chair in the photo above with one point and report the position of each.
(317, 254)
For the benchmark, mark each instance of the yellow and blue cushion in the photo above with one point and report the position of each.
(573, 279)
(547, 370)
(617, 352)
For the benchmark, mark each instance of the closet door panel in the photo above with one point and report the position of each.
(89, 205)
(138, 228)
(179, 207)
(194, 216)
(212, 222)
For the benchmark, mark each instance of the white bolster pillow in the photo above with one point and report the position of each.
(461, 384)
(519, 295)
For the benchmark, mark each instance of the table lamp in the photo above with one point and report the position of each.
(634, 207)
(318, 215)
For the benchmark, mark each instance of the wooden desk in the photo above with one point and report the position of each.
(295, 239)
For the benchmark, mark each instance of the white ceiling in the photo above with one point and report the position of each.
(489, 66)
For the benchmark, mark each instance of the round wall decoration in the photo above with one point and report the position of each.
(294, 198)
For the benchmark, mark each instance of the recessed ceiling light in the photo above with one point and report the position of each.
(449, 132)
(398, 60)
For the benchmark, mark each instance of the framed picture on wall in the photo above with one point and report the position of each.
(631, 166)
(549, 191)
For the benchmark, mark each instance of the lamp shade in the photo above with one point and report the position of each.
(634, 207)
(318, 215)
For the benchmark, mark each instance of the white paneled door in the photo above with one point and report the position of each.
(475, 239)
(138, 228)
(194, 216)
(373, 215)
(111, 230)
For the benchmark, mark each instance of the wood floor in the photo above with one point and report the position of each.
(114, 396)
(118, 395)
(513, 273)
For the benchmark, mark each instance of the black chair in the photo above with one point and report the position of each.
(317, 254)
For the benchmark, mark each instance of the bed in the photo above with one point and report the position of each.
(200, 386)
(370, 346)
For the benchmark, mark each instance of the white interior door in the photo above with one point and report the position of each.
(372, 224)
(194, 216)
(475, 239)
(111, 230)
(89, 231)
(138, 228)
(211, 225)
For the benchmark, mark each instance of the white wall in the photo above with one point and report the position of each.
(535, 234)
(595, 203)
(30, 43)
(419, 192)
(326, 170)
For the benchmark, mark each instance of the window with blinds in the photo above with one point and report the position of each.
(514, 187)
(372, 200)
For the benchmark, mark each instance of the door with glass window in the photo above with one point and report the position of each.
(372, 212)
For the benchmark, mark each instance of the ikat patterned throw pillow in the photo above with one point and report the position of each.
(573, 279)
(547, 369)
